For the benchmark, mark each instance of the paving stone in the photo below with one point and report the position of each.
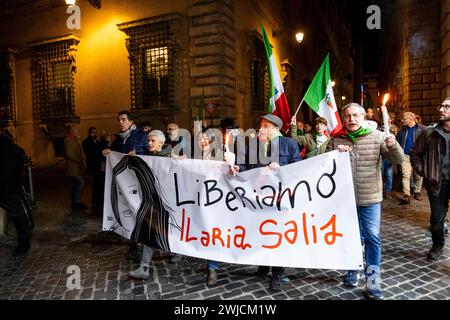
(406, 273)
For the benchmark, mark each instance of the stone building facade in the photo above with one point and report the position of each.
(417, 69)
(157, 58)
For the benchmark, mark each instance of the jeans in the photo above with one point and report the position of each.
(439, 209)
(77, 186)
(213, 265)
(387, 173)
(369, 224)
(12, 203)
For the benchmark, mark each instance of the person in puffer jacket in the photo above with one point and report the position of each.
(367, 148)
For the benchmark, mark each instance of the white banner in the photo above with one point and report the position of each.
(303, 215)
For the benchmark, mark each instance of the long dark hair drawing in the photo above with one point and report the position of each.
(154, 217)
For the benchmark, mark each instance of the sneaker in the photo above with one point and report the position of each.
(435, 252)
(418, 197)
(405, 200)
(21, 249)
(351, 279)
(275, 283)
(374, 293)
(175, 259)
(212, 277)
(140, 273)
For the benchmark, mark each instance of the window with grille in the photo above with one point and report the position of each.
(53, 79)
(152, 49)
(288, 71)
(7, 107)
(259, 77)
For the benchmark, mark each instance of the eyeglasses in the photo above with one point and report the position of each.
(445, 106)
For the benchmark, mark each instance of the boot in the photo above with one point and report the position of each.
(140, 273)
(405, 200)
(275, 283)
(435, 252)
(212, 277)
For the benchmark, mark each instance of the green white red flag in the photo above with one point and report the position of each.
(278, 104)
(320, 98)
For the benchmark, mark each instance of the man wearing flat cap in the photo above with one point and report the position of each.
(274, 150)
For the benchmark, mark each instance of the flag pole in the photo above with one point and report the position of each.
(299, 106)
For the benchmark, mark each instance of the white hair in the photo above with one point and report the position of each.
(158, 134)
(353, 104)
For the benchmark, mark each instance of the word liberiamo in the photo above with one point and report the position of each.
(301, 226)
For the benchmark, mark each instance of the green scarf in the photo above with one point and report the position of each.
(266, 144)
(358, 133)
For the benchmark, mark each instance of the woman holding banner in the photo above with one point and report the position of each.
(156, 148)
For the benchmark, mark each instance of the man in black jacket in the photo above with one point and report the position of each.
(430, 157)
(11, 165)
(94, 157)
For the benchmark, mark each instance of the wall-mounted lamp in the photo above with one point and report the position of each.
(333, 83)
(343, 98)
(71, 2)
(299, 36)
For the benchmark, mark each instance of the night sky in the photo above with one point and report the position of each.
(371, 39)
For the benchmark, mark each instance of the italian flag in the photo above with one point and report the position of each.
(320, 98)
(278, 104)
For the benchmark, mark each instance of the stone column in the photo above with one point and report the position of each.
(445, 47)
(212, 50)
(422, 61)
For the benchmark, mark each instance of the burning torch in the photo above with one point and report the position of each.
(385, 115)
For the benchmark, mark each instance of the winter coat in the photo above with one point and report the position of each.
(75, 162)
(365, 156)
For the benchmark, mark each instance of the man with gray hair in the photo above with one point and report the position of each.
(406, 137)
(367, 147)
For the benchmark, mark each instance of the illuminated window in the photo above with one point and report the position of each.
(53, 79)
(152, 47)
(156, 77)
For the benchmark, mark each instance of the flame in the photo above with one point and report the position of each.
(385, 99)
(226, 142)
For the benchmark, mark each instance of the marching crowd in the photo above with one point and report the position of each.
(422, 153)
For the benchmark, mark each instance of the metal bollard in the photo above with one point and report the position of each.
(29, 166)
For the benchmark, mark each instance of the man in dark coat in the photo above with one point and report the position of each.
(282, 151)
(93, 154)
(11, 166)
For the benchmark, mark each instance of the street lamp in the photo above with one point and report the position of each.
(299, 36)
(71, 2)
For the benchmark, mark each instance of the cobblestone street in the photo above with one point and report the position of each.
(63, 238)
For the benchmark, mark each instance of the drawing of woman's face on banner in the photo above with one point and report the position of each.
(127, 205)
